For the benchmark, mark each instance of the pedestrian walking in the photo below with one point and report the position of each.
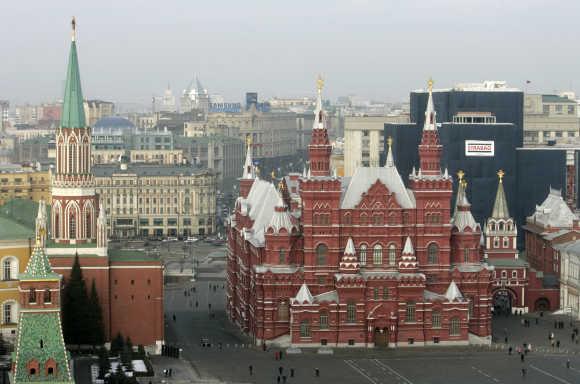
(568, 363)
(316, 372)
(251, 369)
(174, 318)
(170, 372)
(522, 357)
(291, 372)
(278, 380)
(284, 379)
(536, 321)
(523, 371)
(196, 304)
(510, 350)
(558, 344)
(281, 353)
(280, 369)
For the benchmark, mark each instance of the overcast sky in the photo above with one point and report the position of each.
(130, 50)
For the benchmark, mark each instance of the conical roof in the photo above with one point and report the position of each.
(453, 293)
(430, 123)
(304, 295)
(349, 249)
(500, 207)
(73, 113)
(38, 267)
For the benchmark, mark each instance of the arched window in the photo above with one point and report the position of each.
(514, 274)
(378, 255)
(72, 225)
(436, 319)
(454, 327)
(363, 254)
(496, 242)
(377, 219)
(283, 311)
(282, 256)
(465, 255)
(506, 242)
(47, 296)
(305, 328)
(501, 226)
(347, 218)
(433, 253)
(351, 312)
(392, 254)
(10, 268)
(363, 219)
(321, 253)
(88, 223)
(492, 226)
(504, 274)
(323, 320)
(56, 225)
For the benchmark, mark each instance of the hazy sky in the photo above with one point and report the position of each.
(130, 50)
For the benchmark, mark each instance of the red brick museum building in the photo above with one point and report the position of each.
(358, 261)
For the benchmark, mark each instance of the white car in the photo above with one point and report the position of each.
(172, 239)
(191, 239)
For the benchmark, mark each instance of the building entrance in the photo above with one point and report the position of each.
(381, 337)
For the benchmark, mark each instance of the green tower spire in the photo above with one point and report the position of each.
(73, 112)
(38, 267)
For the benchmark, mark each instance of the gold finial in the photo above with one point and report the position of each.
(280, 186)
(273, 174)
(460, 174)
(74, 28)
(390, 141)
(41, 231)
(248, 140)
(430, 84)
(500, 174)
(464, 183)
(320, 83)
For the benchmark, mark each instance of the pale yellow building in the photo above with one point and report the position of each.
(24, 183)
(155, 201)
(549, 117)
(97, 109)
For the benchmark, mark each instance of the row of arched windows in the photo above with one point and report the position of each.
(501, 226)
(72, 224)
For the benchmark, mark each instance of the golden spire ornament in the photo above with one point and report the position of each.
(500, 174)
(430, 84)
(460, 174)
(390, 141)
(320, 83)
(74, 28)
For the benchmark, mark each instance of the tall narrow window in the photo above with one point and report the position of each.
(410, 312)
(304, 328)
(433, 253)
(7, 313)
(56, 225)
(363, 254)
(47, 296)
(470, 307)
(282, 256)
(7, 269)
(72, 225)
(385, 293)
(323, 320)
(392, 254)
(88, 224)
(378, 255)
(283, 311)
(454, 327)
(436, 319)
(375, 293)
(351, 312)
(321, 253)
(32, 295)
(465, 255)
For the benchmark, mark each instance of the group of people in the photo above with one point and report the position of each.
(282, 375)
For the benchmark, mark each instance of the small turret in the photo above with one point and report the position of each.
(250, 172)
(408, 263)
(349, 262)
(102, 227)
(40, 229)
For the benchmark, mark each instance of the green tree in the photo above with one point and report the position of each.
(75, 307)
(95, 318)
(117, 344)
(104, 362)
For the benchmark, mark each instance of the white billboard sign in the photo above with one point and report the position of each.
(479, 148)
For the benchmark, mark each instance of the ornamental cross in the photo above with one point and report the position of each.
(430, 84)
(460, 174)
(320, 83)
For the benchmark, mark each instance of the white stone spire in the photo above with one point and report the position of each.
(102, 227)
(453, 293)
(304, 296)
(249, 171)
(390, 163)
(41, 223)
(408, 261)
(318, 111)
(349, 262)
(281, 218)
(430, 114)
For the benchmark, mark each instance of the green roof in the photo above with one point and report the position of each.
(556, 99)
(32, 328)
(22, 211)
(38, 267)
(73, 113)
(12, 230)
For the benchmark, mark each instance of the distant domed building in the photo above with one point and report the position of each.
(114, 125)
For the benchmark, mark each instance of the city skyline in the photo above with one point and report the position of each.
(132, 53)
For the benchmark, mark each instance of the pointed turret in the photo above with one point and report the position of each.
(41, 223)
(430, 147)
(38, 267)
(453, 293)
(390, 163)
(250, 171)
(303, 296)
(319, 148)
(281, 218)
(462, 217)
(500, 207)
(408, 263)
(349, 262)
(73, 112)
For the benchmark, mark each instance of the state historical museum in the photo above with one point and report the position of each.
(359, 261)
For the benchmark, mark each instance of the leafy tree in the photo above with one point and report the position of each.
(104, 362)
(141, 351)
(117, 344)
(96, 327)
(75, 307)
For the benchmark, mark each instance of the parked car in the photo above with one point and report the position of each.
(191, 239)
